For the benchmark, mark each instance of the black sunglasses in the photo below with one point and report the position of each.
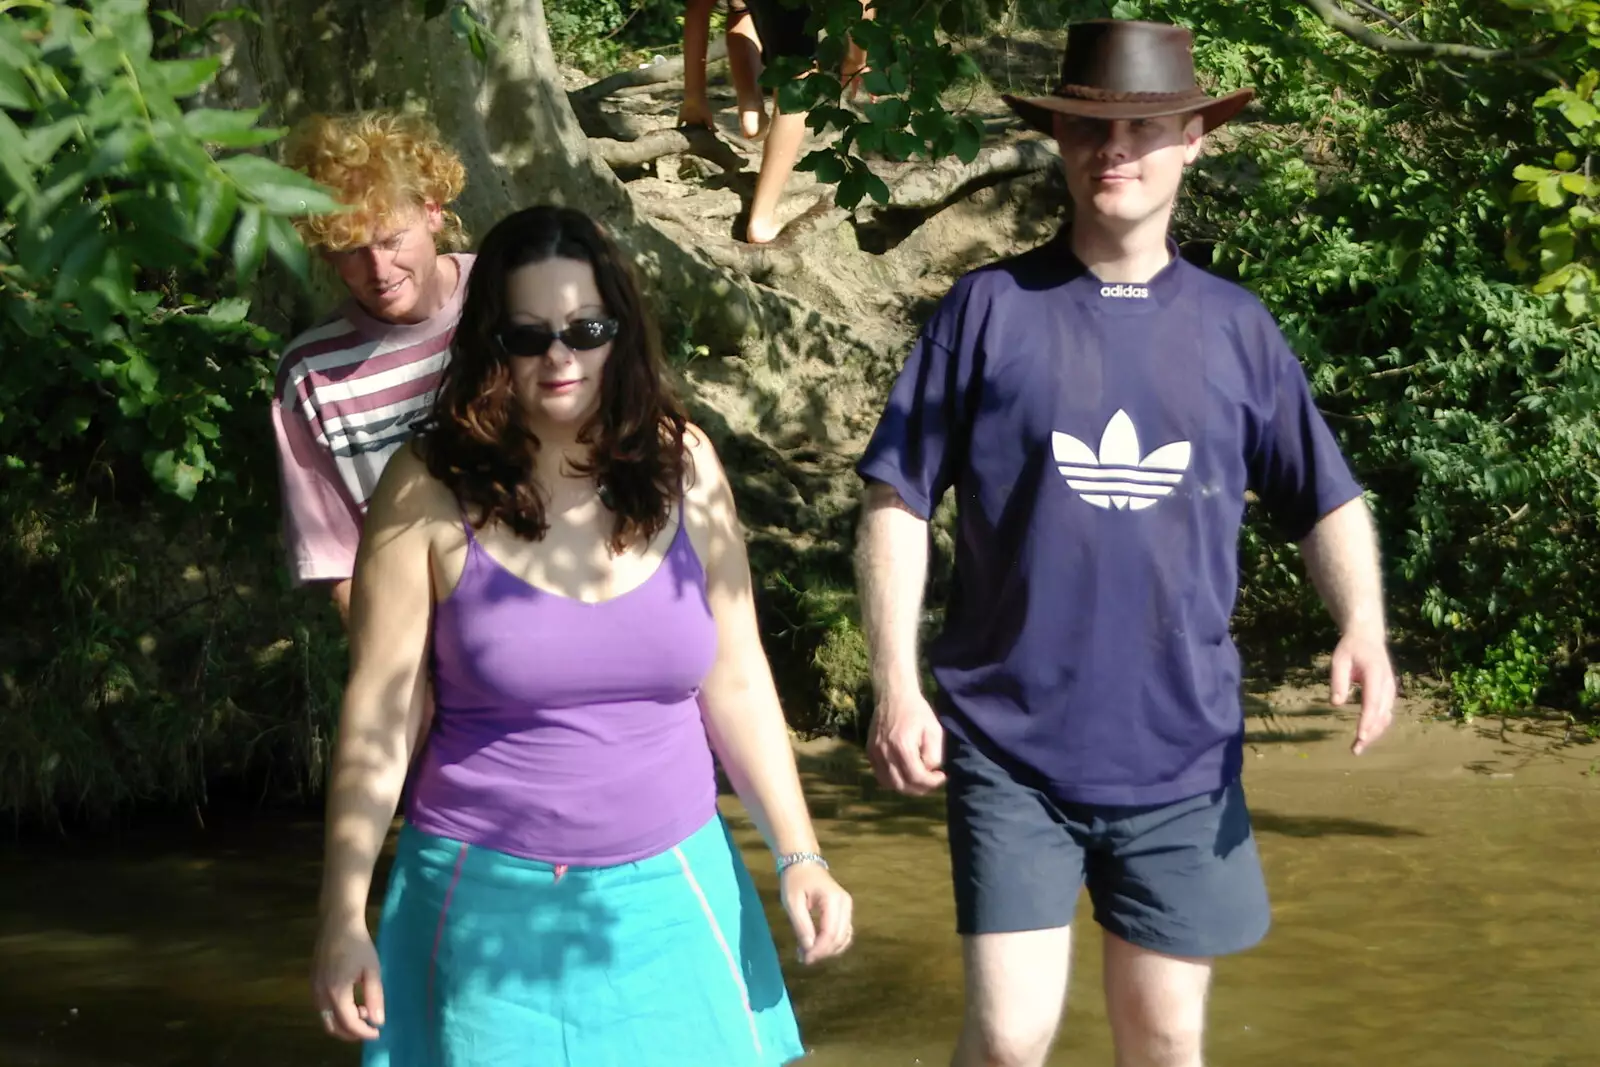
(579, 335)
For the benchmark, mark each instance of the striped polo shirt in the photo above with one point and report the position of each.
(349, 392)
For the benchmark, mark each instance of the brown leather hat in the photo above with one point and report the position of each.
(1122, 69)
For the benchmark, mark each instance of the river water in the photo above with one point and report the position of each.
(1434, 905)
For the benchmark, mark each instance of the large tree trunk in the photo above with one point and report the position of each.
(511, 121)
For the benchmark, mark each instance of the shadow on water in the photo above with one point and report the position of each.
(1266, 822)
(1277, 736)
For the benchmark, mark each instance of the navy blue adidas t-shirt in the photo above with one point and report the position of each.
(1100, 439)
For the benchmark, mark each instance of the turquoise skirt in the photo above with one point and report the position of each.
(488, 959)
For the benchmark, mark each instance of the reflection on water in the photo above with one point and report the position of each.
(1431, 906)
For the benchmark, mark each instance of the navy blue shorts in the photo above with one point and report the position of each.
(1183, 878)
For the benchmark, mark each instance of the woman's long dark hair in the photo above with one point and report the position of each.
(477, 440)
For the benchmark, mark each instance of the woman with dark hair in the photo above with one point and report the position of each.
(560, 547)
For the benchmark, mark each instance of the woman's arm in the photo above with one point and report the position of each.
(738, 698)
(384, 696)
(743, 718)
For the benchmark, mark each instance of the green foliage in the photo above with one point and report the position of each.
(139, 483)
(1508, 682)
(1371, 212)
(113, 197)
(1558, 240)
(818, 613)
(912, 70)
(152, 662)
(599, 36)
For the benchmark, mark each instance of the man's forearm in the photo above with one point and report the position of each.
(891, 569)
(1341, 554)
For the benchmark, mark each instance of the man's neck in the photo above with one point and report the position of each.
(1134, 255)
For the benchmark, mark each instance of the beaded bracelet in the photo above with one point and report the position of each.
(792, 858)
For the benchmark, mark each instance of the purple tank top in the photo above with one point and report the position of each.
(565, 731)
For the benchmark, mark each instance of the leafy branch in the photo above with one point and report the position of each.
(1337, 17)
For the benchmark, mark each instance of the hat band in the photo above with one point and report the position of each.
(1087, 92)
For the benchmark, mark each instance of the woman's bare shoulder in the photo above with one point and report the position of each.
(704, 476)
(408, 492)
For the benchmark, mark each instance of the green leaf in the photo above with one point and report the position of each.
(13, 150)
(287, 248)
(479, 41)
(229, 309)
(115, 152)
(793, 97)
(162, 236)
(230, 129)
(929, 125)
(1577, 185)
(825, 163)
(891, 114)
(15, 92)
(1581, 113)
(45, 141)
(80, 265)
(1550, 194)
(185, 77)
(128, 22)
(281, 191)
(876, 188)
(902, 145)
(176, 477)
(968, 138)
(875, 38)
(1580, 215)
(139, 372)
(1528, 173)
(216, 203)
(1565, 161)
(852, 187)
(42, 248)
(249, 245)
(897, 78)
(877, 83)
(1577, 303)
(1551, 283)
(1587, 84)
(1556, 252)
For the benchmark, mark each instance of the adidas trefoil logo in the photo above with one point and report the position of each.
(1118, 478)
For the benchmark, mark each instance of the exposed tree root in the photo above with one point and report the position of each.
(686, 140)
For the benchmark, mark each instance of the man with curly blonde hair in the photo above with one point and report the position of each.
(350, 389)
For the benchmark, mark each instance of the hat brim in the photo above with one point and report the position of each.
(1040, 111)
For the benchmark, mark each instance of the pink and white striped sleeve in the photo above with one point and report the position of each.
(321, 527)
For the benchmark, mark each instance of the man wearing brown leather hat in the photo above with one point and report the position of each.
(1101, 408)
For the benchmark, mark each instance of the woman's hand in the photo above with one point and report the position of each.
(346, 961)
(819, 909)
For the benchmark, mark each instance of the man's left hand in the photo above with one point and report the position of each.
(1363, 659)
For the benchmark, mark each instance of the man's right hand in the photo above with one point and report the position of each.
(907, 744)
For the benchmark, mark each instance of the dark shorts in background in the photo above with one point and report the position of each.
(782, 29)
(1182, 878)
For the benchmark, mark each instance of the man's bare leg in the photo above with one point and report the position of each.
(782, 150)
(1016, 987)
(696, 109)
(744, 66)
(1157, 1005)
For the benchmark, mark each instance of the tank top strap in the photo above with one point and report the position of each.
(466, 526)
